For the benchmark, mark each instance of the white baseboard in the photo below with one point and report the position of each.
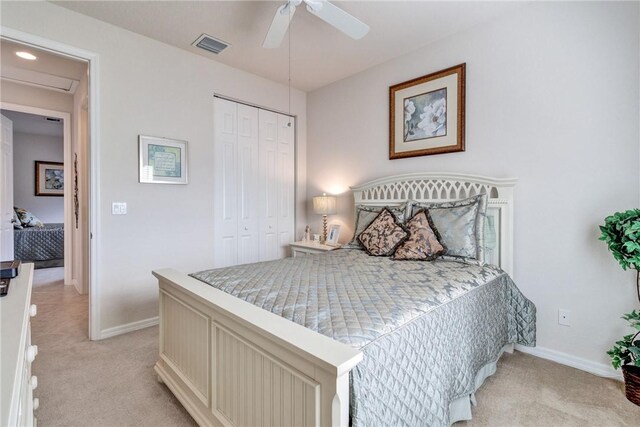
(129, 327)
(595, 368)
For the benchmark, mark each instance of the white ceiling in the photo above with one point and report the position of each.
(320, 53)
(33, 124)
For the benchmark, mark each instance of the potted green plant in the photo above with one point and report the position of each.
(621, 233)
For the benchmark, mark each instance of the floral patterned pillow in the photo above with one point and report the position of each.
(365, 216)
(423, 243)
(27, 219)
(383, 235)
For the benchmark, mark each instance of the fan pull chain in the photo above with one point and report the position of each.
(289, 81)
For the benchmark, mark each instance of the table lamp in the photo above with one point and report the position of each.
(324, 205)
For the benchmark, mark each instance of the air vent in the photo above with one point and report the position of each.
(210, 44)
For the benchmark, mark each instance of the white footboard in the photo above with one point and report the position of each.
(231, 363)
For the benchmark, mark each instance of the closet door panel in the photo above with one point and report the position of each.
(248, 172)
(226, 183)
(268, 186)
(286, 179)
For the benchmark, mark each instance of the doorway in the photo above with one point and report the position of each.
(80, 135)
(38, 143)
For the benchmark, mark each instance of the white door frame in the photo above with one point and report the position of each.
(94, 158)
(68, 172)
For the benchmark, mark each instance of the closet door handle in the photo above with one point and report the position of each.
(245, 229)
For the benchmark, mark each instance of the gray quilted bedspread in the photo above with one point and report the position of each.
(39, 243)
(425, 328)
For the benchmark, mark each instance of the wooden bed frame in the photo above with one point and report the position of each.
(232, 363)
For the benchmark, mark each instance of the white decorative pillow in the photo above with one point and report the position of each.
(17, 225)
(460, 224)
(27, 219)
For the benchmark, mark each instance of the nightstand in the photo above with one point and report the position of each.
(307, 248)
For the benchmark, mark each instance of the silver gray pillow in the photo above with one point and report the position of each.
(460, 224)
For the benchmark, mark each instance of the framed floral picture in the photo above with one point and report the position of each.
(49, 179)
(426, 114)
(162, 160)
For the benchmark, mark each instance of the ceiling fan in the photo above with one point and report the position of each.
(324, 10)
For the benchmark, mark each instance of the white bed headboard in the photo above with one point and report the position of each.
(437, 187)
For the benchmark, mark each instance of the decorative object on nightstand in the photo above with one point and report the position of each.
(308, 248)
(621, 233)
(324, 205)
(334, 234)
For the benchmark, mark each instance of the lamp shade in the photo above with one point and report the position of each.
(324, 205)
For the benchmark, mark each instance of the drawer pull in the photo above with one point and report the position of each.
(33, 310)
(32, 352)
(36, 403)
(34, 382)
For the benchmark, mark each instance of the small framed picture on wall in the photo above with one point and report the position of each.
(332, 235)
(162, 160)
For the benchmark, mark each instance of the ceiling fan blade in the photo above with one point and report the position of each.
(279, 26)
(333, 15)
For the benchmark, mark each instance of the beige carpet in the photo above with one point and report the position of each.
(112, 383)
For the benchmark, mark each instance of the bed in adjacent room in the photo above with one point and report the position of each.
(34, 241)
(44, 246)
(345, 337)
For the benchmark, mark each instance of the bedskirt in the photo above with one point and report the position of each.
(411, 377)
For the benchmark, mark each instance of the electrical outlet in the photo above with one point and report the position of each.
(118, 208)
(564, 317)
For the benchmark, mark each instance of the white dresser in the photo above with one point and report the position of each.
(17, 352)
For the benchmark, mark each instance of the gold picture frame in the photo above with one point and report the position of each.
(420, 121)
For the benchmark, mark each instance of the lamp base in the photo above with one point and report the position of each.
(324, 229)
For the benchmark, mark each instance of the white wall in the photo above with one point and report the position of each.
(147, 87)
(28, 148)
(553, 100)
(32, 96)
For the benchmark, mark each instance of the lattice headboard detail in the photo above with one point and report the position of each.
(431, 186)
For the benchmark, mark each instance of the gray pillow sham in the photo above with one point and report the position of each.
(460, 224)
(365, 216)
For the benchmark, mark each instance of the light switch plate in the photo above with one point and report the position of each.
(118, 208)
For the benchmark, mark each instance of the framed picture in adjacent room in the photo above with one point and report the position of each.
(162, 160)
(49, 178)
(427, 114)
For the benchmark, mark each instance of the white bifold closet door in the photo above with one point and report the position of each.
(254, 184)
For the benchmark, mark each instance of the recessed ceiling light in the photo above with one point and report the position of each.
(26, 55)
